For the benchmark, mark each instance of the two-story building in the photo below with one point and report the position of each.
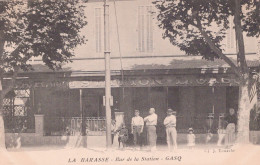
(146, 71)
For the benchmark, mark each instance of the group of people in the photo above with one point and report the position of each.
(150, 122)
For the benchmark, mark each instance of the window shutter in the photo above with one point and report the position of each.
(145, 29)
(98, 29)
(149, 29)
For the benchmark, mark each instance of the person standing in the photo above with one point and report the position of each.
(137, 126)
(171, 133)
(191, 138)
(231, 121)
(113, 130)
(151, 122)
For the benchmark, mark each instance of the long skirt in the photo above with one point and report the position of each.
(151, 136)
(230, 134)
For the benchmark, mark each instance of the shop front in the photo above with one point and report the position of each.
(73, 106)
(200, 102)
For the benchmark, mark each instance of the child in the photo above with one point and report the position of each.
(209, 136)
(190, 138)
(122, 136)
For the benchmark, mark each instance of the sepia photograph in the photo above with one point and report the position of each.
(140, 82)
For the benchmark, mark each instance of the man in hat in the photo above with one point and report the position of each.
(151, 122)
(170, 124)
(137, 126)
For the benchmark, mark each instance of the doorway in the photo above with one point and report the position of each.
(152, 97)
(91, 106)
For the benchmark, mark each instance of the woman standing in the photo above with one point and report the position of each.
(231, 120)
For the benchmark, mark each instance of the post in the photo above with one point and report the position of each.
(83, 123)
(107, 74)
(39, 124)
(80, 102)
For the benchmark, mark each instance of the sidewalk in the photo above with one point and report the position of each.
(160, 148)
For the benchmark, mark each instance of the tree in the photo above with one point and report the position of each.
(197, 27)
(36, 28)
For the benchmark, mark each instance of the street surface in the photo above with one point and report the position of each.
(53, 155)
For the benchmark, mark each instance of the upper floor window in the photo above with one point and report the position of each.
(145, 29)
(231, 35)
(258, 47)
(98, 29)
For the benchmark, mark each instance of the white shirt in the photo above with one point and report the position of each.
(151, 119)
(191, 139)
(170, 121)
(137, 121)
(113, 128)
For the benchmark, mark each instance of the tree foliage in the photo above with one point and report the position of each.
(184, 20)
(198, 27)
(39, 28)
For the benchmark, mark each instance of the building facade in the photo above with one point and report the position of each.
(146, 71)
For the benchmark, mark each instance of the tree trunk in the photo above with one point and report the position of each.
(2, 127)
(243, 112)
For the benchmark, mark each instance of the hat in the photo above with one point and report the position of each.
(170, 110)
(152, 109)
(190, 129)
(137, 110)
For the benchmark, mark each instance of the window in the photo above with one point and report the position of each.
(231, 35)
(18, 115)
(21, 102)
(258, 47)
(18, 104)
(98, 29)
(149, 36)
(258, 91)
(145, 29)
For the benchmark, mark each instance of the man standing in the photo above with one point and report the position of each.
(151, 122)
(113, 130)
(137, 126)
(170, 124)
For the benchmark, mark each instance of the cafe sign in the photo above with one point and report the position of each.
(156, 82)
(92, 84)
(186, 80)
(41, 84)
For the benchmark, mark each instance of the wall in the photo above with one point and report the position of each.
(127, 15)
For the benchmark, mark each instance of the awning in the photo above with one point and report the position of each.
(96, 66)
